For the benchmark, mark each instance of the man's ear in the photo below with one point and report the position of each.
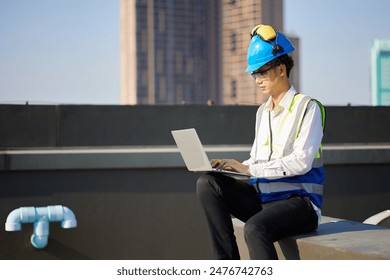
(282, 70)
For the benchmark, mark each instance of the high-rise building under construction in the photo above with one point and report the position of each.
(192, 51)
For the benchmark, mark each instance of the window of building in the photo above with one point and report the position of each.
(161, 21)
(179, 63)
(162, 90)
(233, 86)
(160, 62)
(190, 66)
(233, 41)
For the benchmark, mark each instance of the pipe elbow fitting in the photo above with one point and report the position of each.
(13, 222)
(69, 219)
(40, 237)
(18, 216)
(39, 242)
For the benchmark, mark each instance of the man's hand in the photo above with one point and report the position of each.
(230, 164)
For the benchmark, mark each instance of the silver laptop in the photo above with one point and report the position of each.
(193, 153)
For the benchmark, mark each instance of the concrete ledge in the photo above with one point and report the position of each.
(335, 239)
(164, 156)
(107, 157)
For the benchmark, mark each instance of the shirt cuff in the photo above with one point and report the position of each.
(258, 170)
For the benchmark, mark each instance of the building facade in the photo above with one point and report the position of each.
(239, 17)
(380, 73)
(191, 52)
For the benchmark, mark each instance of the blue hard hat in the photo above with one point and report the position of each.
(260, 51)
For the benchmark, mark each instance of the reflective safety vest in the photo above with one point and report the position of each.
(307, 185)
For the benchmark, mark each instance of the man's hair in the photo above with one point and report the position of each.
(286, 60)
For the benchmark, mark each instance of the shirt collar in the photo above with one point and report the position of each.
(284, 103)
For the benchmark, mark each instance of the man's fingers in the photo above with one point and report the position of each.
(227, 164)
(215, 162)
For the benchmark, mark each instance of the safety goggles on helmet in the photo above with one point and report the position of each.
(267, 33)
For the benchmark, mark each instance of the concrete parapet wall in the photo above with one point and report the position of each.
(355, 173)
(122, 196)
(82, 125)
(117, 168)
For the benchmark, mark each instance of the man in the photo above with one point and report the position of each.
(284, 196)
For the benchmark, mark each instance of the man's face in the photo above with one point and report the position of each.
(266, 77)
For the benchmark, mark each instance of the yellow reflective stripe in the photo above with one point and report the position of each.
(266, 142)
(322, 108)
(297, 97)
(319, 153)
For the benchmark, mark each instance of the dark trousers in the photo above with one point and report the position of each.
(222, 196)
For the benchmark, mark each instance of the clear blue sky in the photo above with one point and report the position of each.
(335, 46)
(67, 52)
(59, 51)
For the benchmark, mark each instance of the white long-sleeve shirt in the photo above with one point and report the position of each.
(306, 145)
